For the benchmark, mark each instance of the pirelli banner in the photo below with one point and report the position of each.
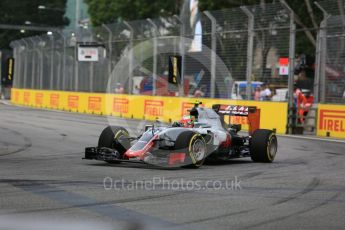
(167, 109)
(331, 121)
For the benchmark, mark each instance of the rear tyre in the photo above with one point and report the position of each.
(114, 137)
(194, 145)
(263, 146)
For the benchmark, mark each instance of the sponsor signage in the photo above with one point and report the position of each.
(154, 108)
(175, 63)
(39, 99)
(120, 105)
(73, 101)
(331, 120)
(7, 79)
(95, 103)
(88, 53)
(54, 100)
(16, 96)
(284, 66)
(26, 97)
(186, 106)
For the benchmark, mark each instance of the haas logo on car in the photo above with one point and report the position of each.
(153, 108)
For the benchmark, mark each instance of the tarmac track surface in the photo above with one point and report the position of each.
(42, 177)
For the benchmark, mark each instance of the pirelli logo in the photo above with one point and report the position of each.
(332, 120)
(26, 97)
(16, 96)
(73, 101)
(39, 99)
(154, 108)
(186, 106)
(54, 100)
(95, 103)
(120, 105)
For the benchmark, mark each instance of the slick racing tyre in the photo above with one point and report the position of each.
(263, 146)
(114, 137)
(194, 145)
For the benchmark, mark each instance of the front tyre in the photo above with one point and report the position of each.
(263, 146)
(194, 145)
(114, 137)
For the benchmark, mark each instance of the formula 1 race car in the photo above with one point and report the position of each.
(198, 137)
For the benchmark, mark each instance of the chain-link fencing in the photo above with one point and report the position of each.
(249, 41)
(330, 82)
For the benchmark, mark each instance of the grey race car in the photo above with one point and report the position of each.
(201, 136)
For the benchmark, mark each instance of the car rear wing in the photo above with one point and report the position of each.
(251, 112)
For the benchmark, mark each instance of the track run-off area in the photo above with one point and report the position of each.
(43, 179)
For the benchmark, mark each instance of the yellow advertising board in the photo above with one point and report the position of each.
(273, 114)
(331, 121)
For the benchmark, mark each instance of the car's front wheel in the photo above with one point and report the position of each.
(114, 137)
(194, 146)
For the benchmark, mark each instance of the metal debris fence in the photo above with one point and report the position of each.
(230, 54)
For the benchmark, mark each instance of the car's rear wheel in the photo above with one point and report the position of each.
(194, 146)
(263, 146)
(114, 137)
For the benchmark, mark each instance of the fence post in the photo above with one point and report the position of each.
(41, 63)
(323, 53)
(63, 62)
(130, 57)
(292, 43)
(322, 79)
(110, 39)
(51, 62)
(25, 63)
(213, 52)
(318, 68)
(91, 83)
(154, 68)
(16, 48)
(33, 64)
(76, 70)
(250, 47)
(58, 73)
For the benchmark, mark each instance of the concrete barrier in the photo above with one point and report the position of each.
(168, 109)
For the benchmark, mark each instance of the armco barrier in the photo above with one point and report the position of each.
(331, 121)
(273, 114)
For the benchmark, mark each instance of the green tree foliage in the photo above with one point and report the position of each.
(108, 11)
(18, 12)
(308, 17)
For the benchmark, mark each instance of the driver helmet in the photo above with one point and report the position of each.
(187, 121)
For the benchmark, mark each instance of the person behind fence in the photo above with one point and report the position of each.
(265, 93)
(136, 90)
(257, 93)
(199, 92)
(300, 102)
(119, 88)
